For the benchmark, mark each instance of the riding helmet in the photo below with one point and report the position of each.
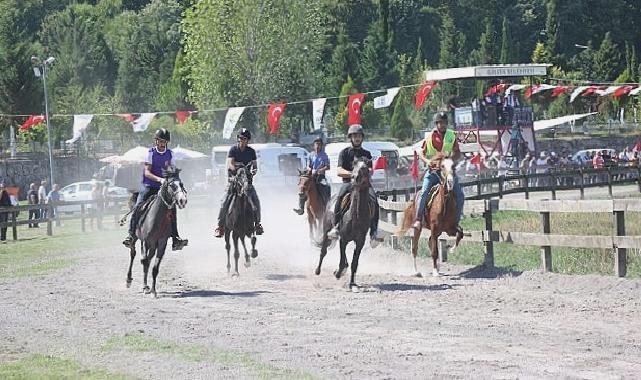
(355, 128)
(439, 116)
(244, 133)
(318, 139)
(163, 134)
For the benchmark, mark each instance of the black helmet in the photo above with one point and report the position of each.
(244, 133)
(163, 134)
(318, 139)
(439, 116)
(355, 128)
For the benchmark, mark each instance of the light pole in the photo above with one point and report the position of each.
(40, 69)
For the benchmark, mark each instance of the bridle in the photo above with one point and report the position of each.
(164, 190)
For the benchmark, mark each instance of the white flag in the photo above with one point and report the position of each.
(577, 91)
(141, 123)
(608, 91)
(231, 118)
(80, 123)
(318, 108)
(514, 87)
(386, 100)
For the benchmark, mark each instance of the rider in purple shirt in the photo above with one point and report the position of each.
(317, 164)
(158, 158)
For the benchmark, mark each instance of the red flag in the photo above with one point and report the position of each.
(623, 91)
(182, 116)
(637, 147)
(476, 159)
(274, 113)
(354, 108)
(591, 90)
(381, 163)
(559, 90)
(497, 88)
(127, 116)
(424, 92)
(32, 120)
(415, 166)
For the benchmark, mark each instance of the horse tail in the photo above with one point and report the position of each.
(408, 217)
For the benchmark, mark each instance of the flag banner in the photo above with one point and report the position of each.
(387, 99)
(142, 123)
(182, 116)
(318, 109)
(423, 92)
(577, 91)
(32, 120)
(80, 123)
(231, 118)
(635, 92)
(354, 105)
(381, 163)
(274, 112)
(514, 87)
(607, 91)
(623, 90)
(414, 170)
(126, 116)
(560, 90)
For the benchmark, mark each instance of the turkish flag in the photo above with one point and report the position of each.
(637, 147)
(623, 91)
(592, 89)
(414, 169)
(423, 92)
(126, 116)
(182, 116)
(32, 120)
(354, 105)
(559, 90)
(381, 163)
(498, 88)
(274, 113)
(476, 159)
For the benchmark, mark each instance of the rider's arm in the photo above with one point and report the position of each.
(151, 175)
(421, 154)
(456, 152)
(254, 167)
(231, 164)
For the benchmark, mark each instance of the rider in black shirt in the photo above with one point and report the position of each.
(344, 170)
(240, 154)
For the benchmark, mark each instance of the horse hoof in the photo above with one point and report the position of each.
(146, 290)
(436, 273)
(254, 253)
(317, 271)
(338, 273)
(235, 275)
(418, 274)
(154, 294)
(129, 284)
(248, 264)
(354, 288)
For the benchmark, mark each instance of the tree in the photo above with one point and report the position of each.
(540, 54)
(448, 48)
(340, 121)
(506, 43)
(377, 67)
(343, 63)
(607, 59)
(552, 31)
(487, 43)
(401, 127)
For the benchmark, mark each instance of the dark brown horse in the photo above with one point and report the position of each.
(440, 216)
(316, 202)
(154, 226)
(354, 225)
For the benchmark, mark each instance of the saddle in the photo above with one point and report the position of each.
(347, 201)
(143, 209)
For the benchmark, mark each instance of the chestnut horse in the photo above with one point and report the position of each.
(316, 202)
(440, 216)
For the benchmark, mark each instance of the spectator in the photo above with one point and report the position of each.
(502, 166)
(42, 197)
(624, 156)
(98, 196)
(5, 201)
(597, 161)
(54, 197)
(32, 199)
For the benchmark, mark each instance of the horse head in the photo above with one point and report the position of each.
(304, 181)
(361, 173)
(174, 187)
(447, 172)
(241, 181)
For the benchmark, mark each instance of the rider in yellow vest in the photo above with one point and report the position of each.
(440, 140)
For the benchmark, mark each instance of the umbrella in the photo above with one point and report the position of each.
(137, 154)
(111, 159)
(186, 154)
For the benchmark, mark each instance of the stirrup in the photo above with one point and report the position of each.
(299, 211)
(259, 229)
(219, 232)
(178, 244)
(128, 242)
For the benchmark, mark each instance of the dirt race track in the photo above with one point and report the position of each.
(279, 320)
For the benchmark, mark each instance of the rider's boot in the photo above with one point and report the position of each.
(178, 243)
(129, 241)
(259, 229)
(301, 206)
(220, 231)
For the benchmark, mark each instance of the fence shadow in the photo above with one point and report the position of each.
(213, 293)
(481, 271)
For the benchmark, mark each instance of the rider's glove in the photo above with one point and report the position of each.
(162, 181)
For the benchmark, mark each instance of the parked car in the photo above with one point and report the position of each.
(81, 191)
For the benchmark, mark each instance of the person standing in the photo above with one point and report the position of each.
(32, 199)
(5, 201)
(42, 197)
(317, 165)
(53, 198)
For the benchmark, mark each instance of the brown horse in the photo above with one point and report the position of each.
(440, 216)
(316, 202)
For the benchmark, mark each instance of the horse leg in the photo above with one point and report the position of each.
(254, 250)
(145, 268)
(247, 261)
(415, 240)
(227, 247)
(343, 264)
(355, 257)
(154, 272)
(434, 250)
(236, 255)
(132, 255)
(323, 252)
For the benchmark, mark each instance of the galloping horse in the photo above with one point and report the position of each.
(240, 220)
(316, 202)
(355, 222)
(440, 216)
(154, 226)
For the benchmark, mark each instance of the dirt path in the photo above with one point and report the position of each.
(278, 319)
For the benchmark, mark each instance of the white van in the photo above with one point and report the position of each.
(279, 165)
(376, 148)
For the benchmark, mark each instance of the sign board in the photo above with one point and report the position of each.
(510, 71)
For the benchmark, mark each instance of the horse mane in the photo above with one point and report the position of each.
(170, 171)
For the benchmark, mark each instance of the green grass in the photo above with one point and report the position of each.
(137, 342)
(35, 253)
(564, 260)
(47, 367)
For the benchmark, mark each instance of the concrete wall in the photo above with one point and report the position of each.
(22, 172)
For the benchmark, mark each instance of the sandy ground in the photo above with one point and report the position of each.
(470, 323)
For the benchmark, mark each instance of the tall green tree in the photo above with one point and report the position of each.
(506, 43)
(607, 60)
(488, 43)
(448, 41)
(377, 66)
(552, 30)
